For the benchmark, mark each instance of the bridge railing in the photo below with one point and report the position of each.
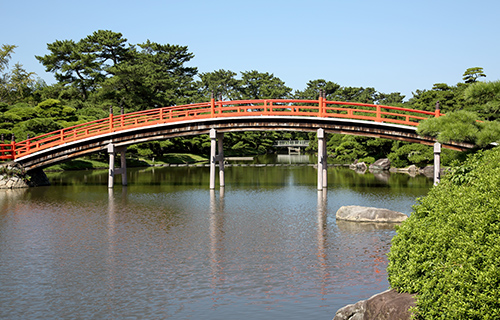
(291, 143)
(217, 109)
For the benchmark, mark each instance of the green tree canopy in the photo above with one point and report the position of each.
(472, 74)
(484, 98)
(258, 85)
(313, 87)
(222, 83)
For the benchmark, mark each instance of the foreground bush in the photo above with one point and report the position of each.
(448, 251)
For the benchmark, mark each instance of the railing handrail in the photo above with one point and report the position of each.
(291, 143)
(217, 109)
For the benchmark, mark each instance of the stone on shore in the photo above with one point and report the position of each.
(369, 214)
(12, 176)
(387, 305)
(380, 164)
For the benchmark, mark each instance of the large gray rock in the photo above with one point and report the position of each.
(380, 164)
(369, 214)
(388, 305)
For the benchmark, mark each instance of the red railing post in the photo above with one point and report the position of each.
(437, 112)
(212, 106)
(110, 118)
(13, 146)
(122, 112)
(378, 117)
(320, 104)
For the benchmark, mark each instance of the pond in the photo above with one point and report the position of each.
(267, 246)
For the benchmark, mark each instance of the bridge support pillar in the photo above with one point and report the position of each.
(437, 162)
(112, 150)
(322, 163)
(216, 142)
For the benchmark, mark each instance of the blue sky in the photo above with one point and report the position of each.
(393, 46)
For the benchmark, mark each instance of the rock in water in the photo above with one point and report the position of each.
(369, 214)
(386, 305)
(381, 164)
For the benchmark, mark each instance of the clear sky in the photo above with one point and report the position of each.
(393, 46)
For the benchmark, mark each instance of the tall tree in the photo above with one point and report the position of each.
(74, 64)
(484, 98)
(222, 83)
(103, 66)
(5, 54)
(472, 74)
(257, 85)
(313, 88)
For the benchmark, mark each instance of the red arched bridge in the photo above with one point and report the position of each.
(116, 132)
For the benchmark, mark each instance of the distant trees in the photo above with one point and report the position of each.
(16, 84)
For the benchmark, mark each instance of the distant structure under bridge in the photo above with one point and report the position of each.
(292, 145)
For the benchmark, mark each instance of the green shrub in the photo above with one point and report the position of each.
(367, 160)
(448, 251)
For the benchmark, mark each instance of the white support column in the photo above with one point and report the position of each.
(321, 149)
(112, 150)
(220, 156)
(325, 163)
(111, 176)
(437, 162)
(123, 163)
(213, 149)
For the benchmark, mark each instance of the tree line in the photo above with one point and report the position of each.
(103, 70)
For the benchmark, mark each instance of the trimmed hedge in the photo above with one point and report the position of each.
(448, 251)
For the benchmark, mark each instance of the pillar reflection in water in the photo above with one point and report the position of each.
(111, 229)
(216, 237)
(321, 239)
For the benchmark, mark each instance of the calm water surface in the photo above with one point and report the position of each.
(265, 247)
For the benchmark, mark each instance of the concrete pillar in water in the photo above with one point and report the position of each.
(437, 162)
(220, 157)
(213, 148)
(112, 150)
(214, 157)
(322, 166)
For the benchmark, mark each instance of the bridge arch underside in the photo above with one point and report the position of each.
(165, 131)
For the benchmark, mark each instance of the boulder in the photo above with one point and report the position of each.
(369, 214)
(380, 164)
(358, 166)
(387, 305)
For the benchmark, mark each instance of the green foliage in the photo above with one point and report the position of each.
(460, 126)
(222, 83)
(367, 160)
(411, 153)
(472, 74)
(349, 150)
(313, 87)
(52, 108)
(257, 85)
(450, 98)
(484, 99)
(448, 250)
